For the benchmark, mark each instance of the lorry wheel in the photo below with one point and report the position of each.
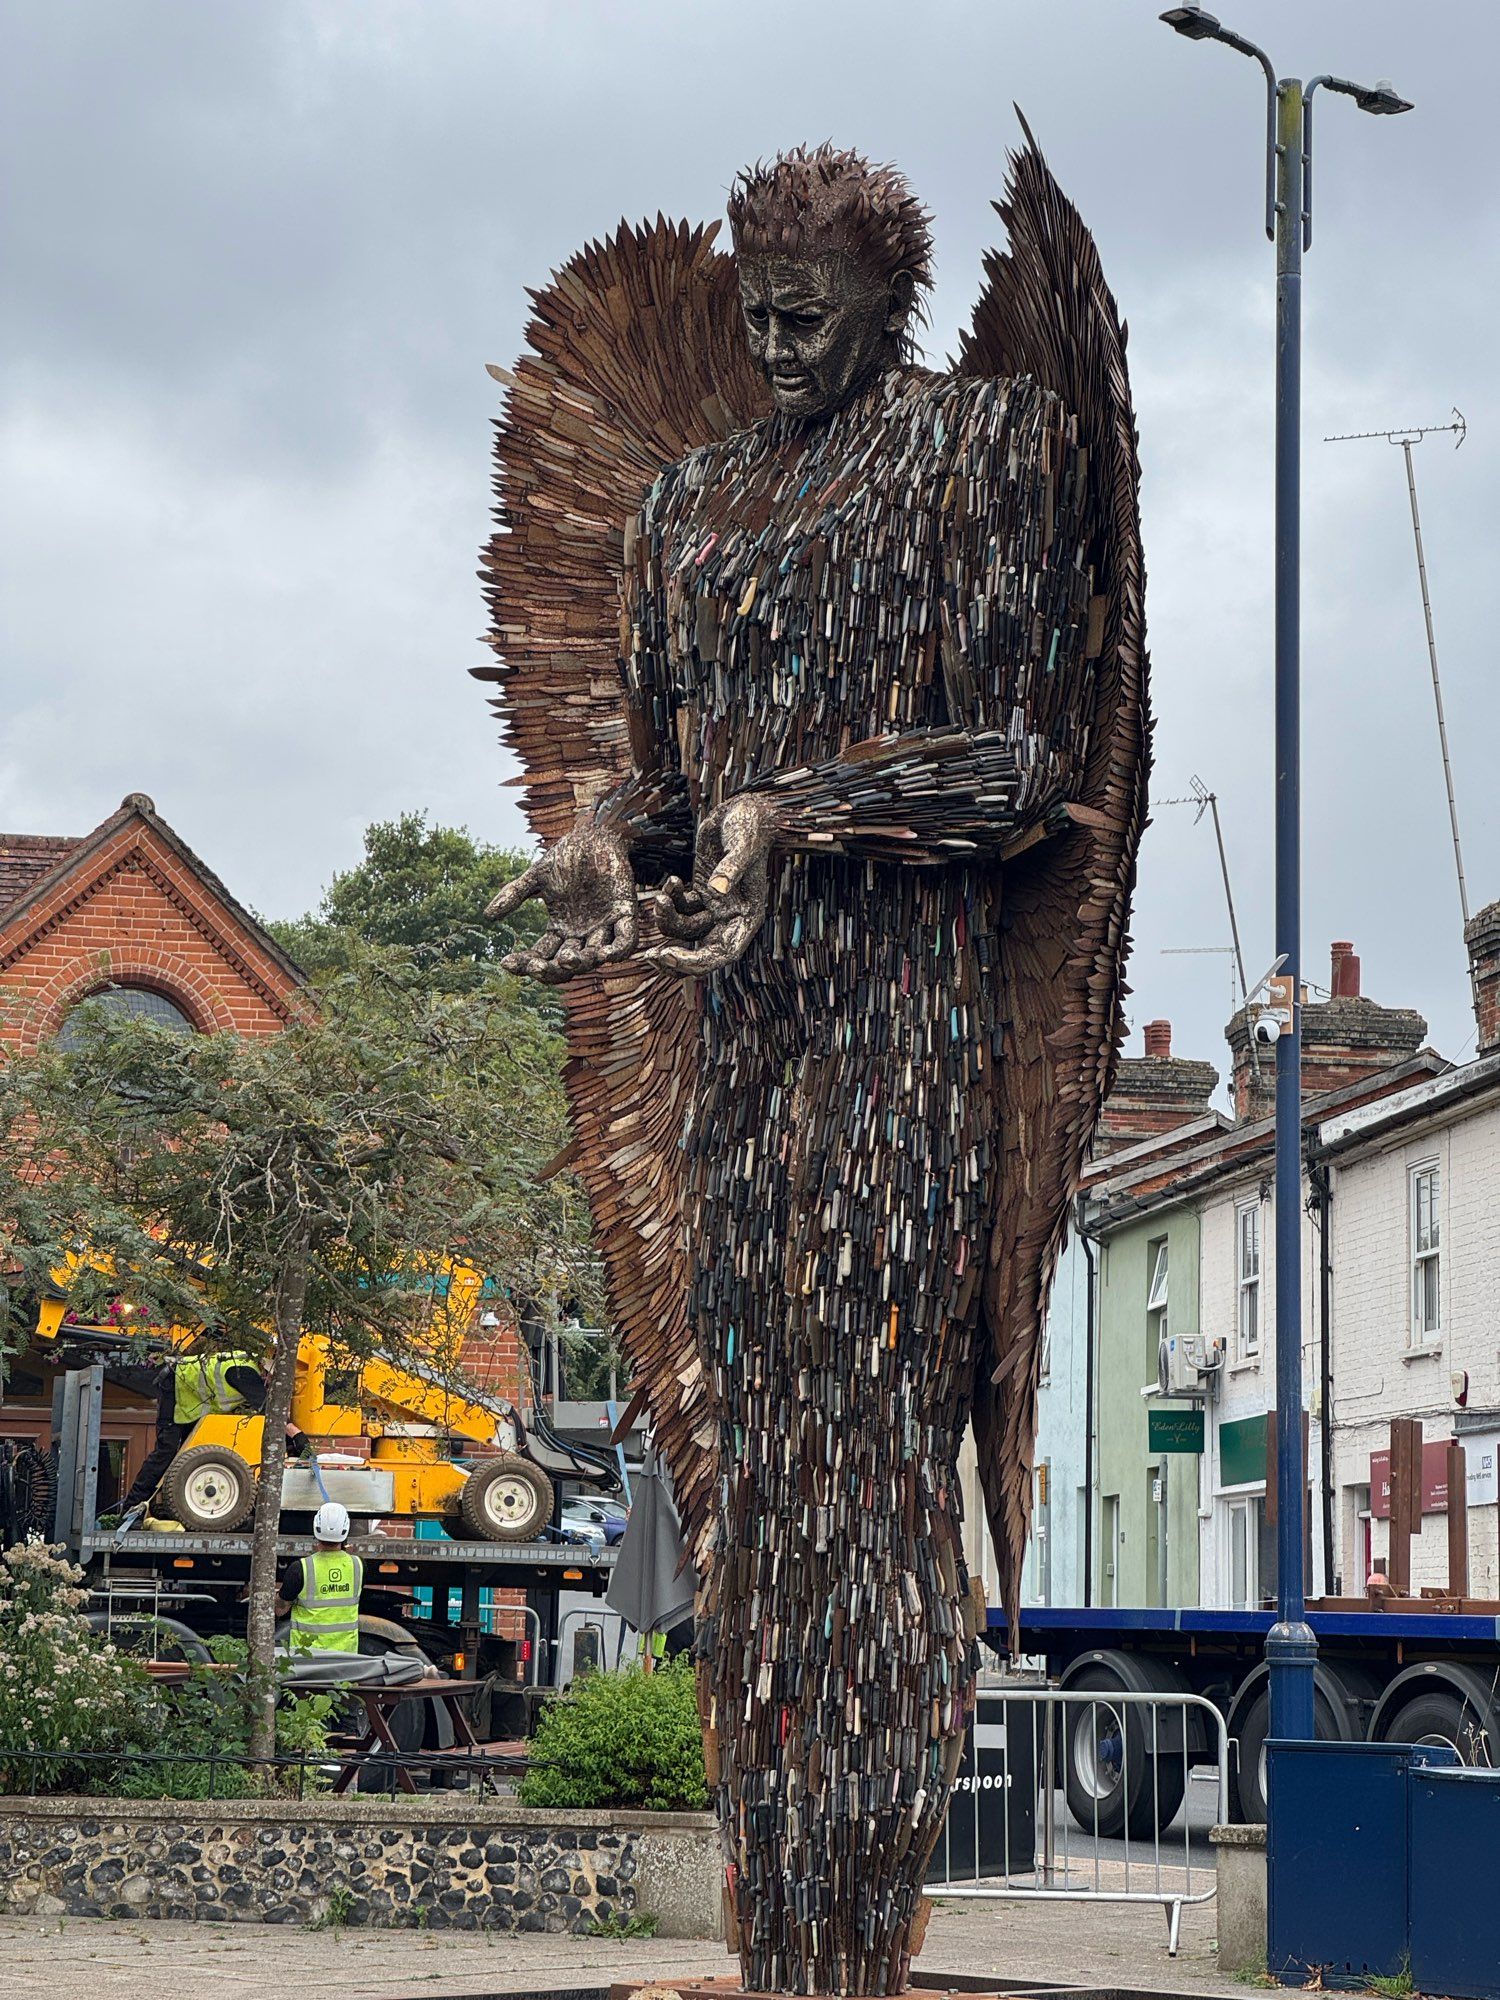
(152, 1634)
(1443, 1717)
(1247, 1792)
(1112, 1780)
(209, 1488)
(506, 1499)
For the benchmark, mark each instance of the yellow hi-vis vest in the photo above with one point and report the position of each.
(202, 1385)
(325, 1618)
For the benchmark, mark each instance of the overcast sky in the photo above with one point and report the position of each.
(258, 251)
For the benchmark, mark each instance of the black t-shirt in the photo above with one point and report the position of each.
(290, 1586)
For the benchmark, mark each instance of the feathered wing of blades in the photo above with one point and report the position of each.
(634, 356)
(1046, 312)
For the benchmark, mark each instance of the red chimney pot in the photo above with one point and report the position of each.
(1344, 984)
(1158, 1038)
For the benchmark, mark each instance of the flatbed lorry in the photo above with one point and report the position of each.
(425, 1593)
(1408, 1672)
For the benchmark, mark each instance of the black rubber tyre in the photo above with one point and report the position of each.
(1443, 1717)
(34, 1491)
(1105, 1747)
(506, 1499)
(153, 1637)
(209, 1488)
(1247, 1790)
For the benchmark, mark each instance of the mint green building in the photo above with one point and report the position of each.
(1146, 1540)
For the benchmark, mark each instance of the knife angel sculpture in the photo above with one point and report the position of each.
(828, 680)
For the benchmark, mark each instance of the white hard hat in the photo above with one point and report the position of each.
(331, 1522)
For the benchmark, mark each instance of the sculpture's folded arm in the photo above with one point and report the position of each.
(925, 797)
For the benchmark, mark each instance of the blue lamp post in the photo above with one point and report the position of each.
(1291, 1648)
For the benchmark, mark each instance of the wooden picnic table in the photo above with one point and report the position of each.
(380, 1700)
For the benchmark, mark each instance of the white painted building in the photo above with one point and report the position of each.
(1414, 1186)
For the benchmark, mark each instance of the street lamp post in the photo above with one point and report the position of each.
(1291, 1649)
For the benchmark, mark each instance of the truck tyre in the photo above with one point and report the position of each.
(1111, 1778)
(1247, 1789)
(209, 1488)
(1443, 1716)
(1345, 1696)
(152, 1634)
(506, 1499)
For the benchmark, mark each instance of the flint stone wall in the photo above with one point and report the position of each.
(434, 1864)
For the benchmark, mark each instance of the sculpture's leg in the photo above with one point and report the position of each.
(834, 1192)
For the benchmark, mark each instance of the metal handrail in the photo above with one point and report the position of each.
(1172, 1897)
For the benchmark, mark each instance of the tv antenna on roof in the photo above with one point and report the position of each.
(1208, 802)
(1406, 439)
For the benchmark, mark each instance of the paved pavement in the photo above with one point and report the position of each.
(89, 1958)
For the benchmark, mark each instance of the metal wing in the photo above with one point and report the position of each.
(634, 356)
(1046, 312)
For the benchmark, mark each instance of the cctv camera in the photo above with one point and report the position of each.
(1266, 1029)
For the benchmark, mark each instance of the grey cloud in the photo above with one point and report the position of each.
(262, 249)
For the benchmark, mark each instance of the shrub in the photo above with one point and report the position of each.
(209, 1715)
(621, 1739)
(63, 1686)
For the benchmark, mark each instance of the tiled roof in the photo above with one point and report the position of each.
(25, 858)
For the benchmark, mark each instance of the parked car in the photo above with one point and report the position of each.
(589, 1520)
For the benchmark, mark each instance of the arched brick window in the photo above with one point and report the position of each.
(139, 1002)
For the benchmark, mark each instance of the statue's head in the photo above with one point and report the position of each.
(834, 255)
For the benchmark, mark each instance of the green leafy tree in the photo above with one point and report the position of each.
(313, 1179)
(422, 888)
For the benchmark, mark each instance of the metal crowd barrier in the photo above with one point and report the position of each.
(1131, 1757)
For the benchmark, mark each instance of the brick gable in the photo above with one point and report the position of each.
(130, 904)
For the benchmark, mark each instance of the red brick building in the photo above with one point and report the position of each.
(130, 913)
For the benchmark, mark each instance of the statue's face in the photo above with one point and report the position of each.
(820, 327)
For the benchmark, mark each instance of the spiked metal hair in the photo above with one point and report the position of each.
(813, 201)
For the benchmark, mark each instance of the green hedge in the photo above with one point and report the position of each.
(621, 1739)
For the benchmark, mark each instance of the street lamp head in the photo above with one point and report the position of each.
(1193, 21)
(1381, 99)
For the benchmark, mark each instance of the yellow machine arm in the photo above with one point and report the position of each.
(400, 1390)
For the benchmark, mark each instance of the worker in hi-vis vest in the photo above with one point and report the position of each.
(322, 1590)
(186, 1389)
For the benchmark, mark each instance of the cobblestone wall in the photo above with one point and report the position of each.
(441, 1865)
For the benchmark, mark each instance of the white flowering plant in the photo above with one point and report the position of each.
(63, 1687)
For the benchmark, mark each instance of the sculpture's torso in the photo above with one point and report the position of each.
(803, 575)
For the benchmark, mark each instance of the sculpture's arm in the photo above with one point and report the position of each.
(638, 831)
(650, 810)
(925, 797)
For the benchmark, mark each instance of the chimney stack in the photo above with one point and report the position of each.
(1344, 983)
(1153, 1093)
(1482, 936)
(1344, 1038)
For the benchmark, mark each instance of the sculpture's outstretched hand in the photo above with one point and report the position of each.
(588, 888)
(713, 920)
